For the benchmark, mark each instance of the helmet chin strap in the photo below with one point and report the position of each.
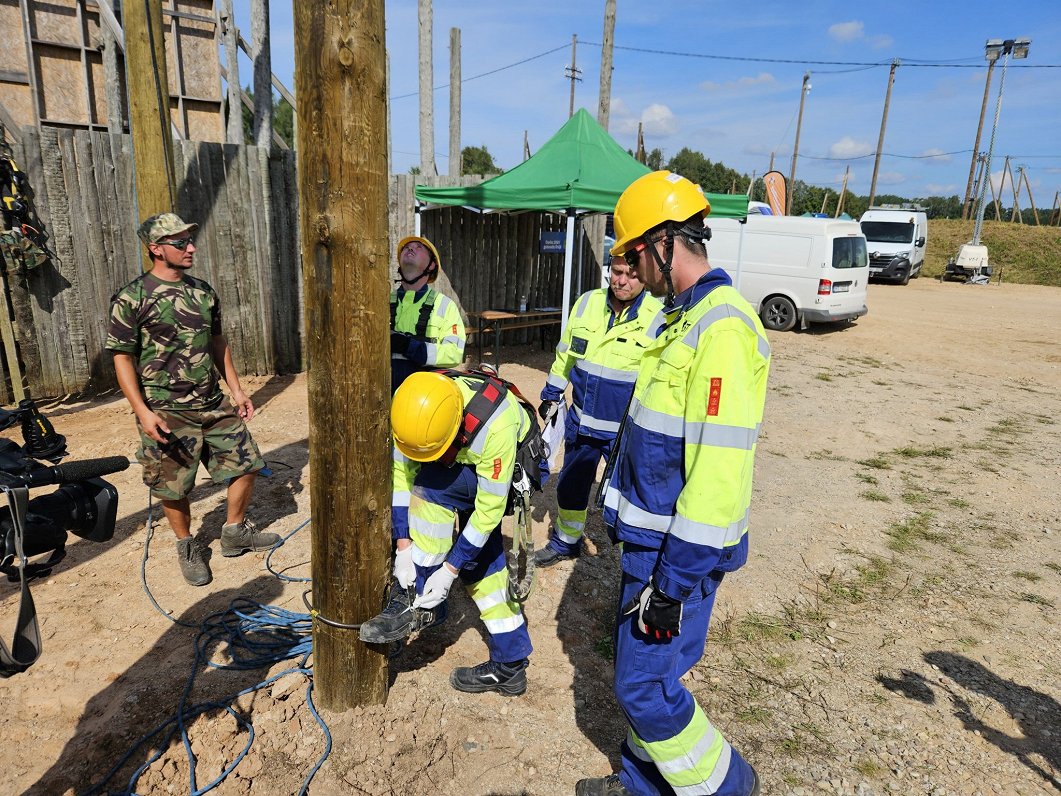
(665, 265)
(430, 268)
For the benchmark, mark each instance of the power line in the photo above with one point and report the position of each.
(894, 155)
(913, 62)
(491, 72)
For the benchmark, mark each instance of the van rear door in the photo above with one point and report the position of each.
(842, 288)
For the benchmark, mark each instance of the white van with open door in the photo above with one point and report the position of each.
(794, 270)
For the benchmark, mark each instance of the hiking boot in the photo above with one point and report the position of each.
(491, 676)
(610, 785)
(240, 537)
(399, 620)
(755, 781)
(193, 562)
(546, 557)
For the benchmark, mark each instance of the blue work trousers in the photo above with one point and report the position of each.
(485, 577)
(648, 686)
(582, 455)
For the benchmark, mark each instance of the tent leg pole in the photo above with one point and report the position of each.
(569, 244)
(416, 218)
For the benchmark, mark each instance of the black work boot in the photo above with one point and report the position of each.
(491, 676)
(755, 781)
(193, 562)
(610, 785)
(241, 537)
(546, 557)
(399, 620)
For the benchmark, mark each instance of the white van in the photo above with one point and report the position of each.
(793, 269)
(895, 239)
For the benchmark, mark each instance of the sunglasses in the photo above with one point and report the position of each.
(179, 243)
(633, 256)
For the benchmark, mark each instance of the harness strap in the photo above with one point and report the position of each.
(26, 642)
(422, 320)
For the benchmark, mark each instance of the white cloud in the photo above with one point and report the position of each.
(890, 178)
(848, 147)
(935, 155)
(761, 79)
(935, 189)
(847, 31)
(659, 120)
(881, 42)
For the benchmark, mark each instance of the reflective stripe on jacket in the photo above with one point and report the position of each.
(683, 479)
(443, 343)
(492, 454)
(599, 355)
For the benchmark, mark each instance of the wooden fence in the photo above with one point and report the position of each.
(245, 201)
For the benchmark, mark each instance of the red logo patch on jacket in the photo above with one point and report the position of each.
(497, 468)
(454, 329)
(713, 397)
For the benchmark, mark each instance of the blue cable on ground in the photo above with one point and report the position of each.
(256, 636)
(278, 545)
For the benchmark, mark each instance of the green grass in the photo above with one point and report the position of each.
(1023, 253)
(878, 462)
(869, 768)
(605, 648)
(959, 503)
(754, 714)
(915, 498)
(1054, 566)
(875, 495)
(866, 478)
(936, 452)
(908, 534)
(823, 377)
(1036, 599)
(1031, 577)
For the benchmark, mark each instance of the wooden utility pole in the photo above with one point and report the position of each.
(990, 184)
(883, 126)
(263, 75)
(149, 120)
(340, 68)
(230, 35)
(604, 102)
(1014, 185)
(1055, 208)
(526, 146)
(843, 192)
(427, 90)
(572, 73)
(803, 91)
(456, 168)
(112, 83)
(967, 203)
(641, 156)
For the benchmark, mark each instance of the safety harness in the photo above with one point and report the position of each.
(428, 307)
(27, 233)
(527, 473)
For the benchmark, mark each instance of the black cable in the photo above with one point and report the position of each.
(491, 72)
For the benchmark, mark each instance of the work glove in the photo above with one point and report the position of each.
(404, 568)
(547, 409)
(436, 589)
(658, 615)
(400, 343)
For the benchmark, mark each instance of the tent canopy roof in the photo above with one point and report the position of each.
(580, 167)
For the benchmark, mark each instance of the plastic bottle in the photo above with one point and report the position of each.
(522, 303)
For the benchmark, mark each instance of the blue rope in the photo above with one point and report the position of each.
(276, 547)
(257, 636)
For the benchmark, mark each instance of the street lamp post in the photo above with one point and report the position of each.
(994, 48)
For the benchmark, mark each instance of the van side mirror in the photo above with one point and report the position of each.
(920, 242)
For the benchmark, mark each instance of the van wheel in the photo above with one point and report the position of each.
(778, 314)
(905, 278)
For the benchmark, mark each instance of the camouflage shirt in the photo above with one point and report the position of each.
(167, 327)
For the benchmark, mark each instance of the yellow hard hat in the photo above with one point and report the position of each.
(430, 247)
(652, 199)
(426, 414)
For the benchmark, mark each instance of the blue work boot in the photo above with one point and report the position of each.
(399, 620)
(506, 679)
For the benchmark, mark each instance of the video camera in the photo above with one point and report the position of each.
(84, 504)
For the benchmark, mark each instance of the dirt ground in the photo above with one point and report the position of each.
(895, 630)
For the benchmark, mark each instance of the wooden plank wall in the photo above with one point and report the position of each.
(242, 198)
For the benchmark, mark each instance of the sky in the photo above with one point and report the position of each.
(698, 75)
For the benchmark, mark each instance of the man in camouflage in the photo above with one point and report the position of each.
(169, 355)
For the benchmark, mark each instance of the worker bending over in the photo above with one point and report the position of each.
(598, 355)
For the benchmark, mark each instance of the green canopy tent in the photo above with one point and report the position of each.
(580, 170)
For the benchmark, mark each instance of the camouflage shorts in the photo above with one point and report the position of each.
(216, 437)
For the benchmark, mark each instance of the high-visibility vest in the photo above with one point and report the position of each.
(683, 477)
(599, 355)
(439, 329)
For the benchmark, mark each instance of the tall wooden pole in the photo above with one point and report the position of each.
(112, 83)
(1014, 184)
(455, 166)
(969, 195)
(526, 146)
(263, 75)
(340, 70)
(1028, 187)
(604, 101)
(843, 192)
(427, 90)
(230, 36)
(149, 120)
(996, 198)
(572, 73)
(803, 91)
(883, 126)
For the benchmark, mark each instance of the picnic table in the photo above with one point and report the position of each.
(486, 322)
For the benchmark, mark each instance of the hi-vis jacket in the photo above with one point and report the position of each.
(438, 338)
(682, 483)
(599, 355)
(493, 455)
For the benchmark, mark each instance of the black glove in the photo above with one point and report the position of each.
(546, 409)
(400, 343)
(658, 615)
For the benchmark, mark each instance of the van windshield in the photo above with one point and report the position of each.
(888, 231)
(849, 253)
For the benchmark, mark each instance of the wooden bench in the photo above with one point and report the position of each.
(497, 321)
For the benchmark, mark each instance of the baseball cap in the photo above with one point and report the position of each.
(163, 225)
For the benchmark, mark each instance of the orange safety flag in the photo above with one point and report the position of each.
(775, 191)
